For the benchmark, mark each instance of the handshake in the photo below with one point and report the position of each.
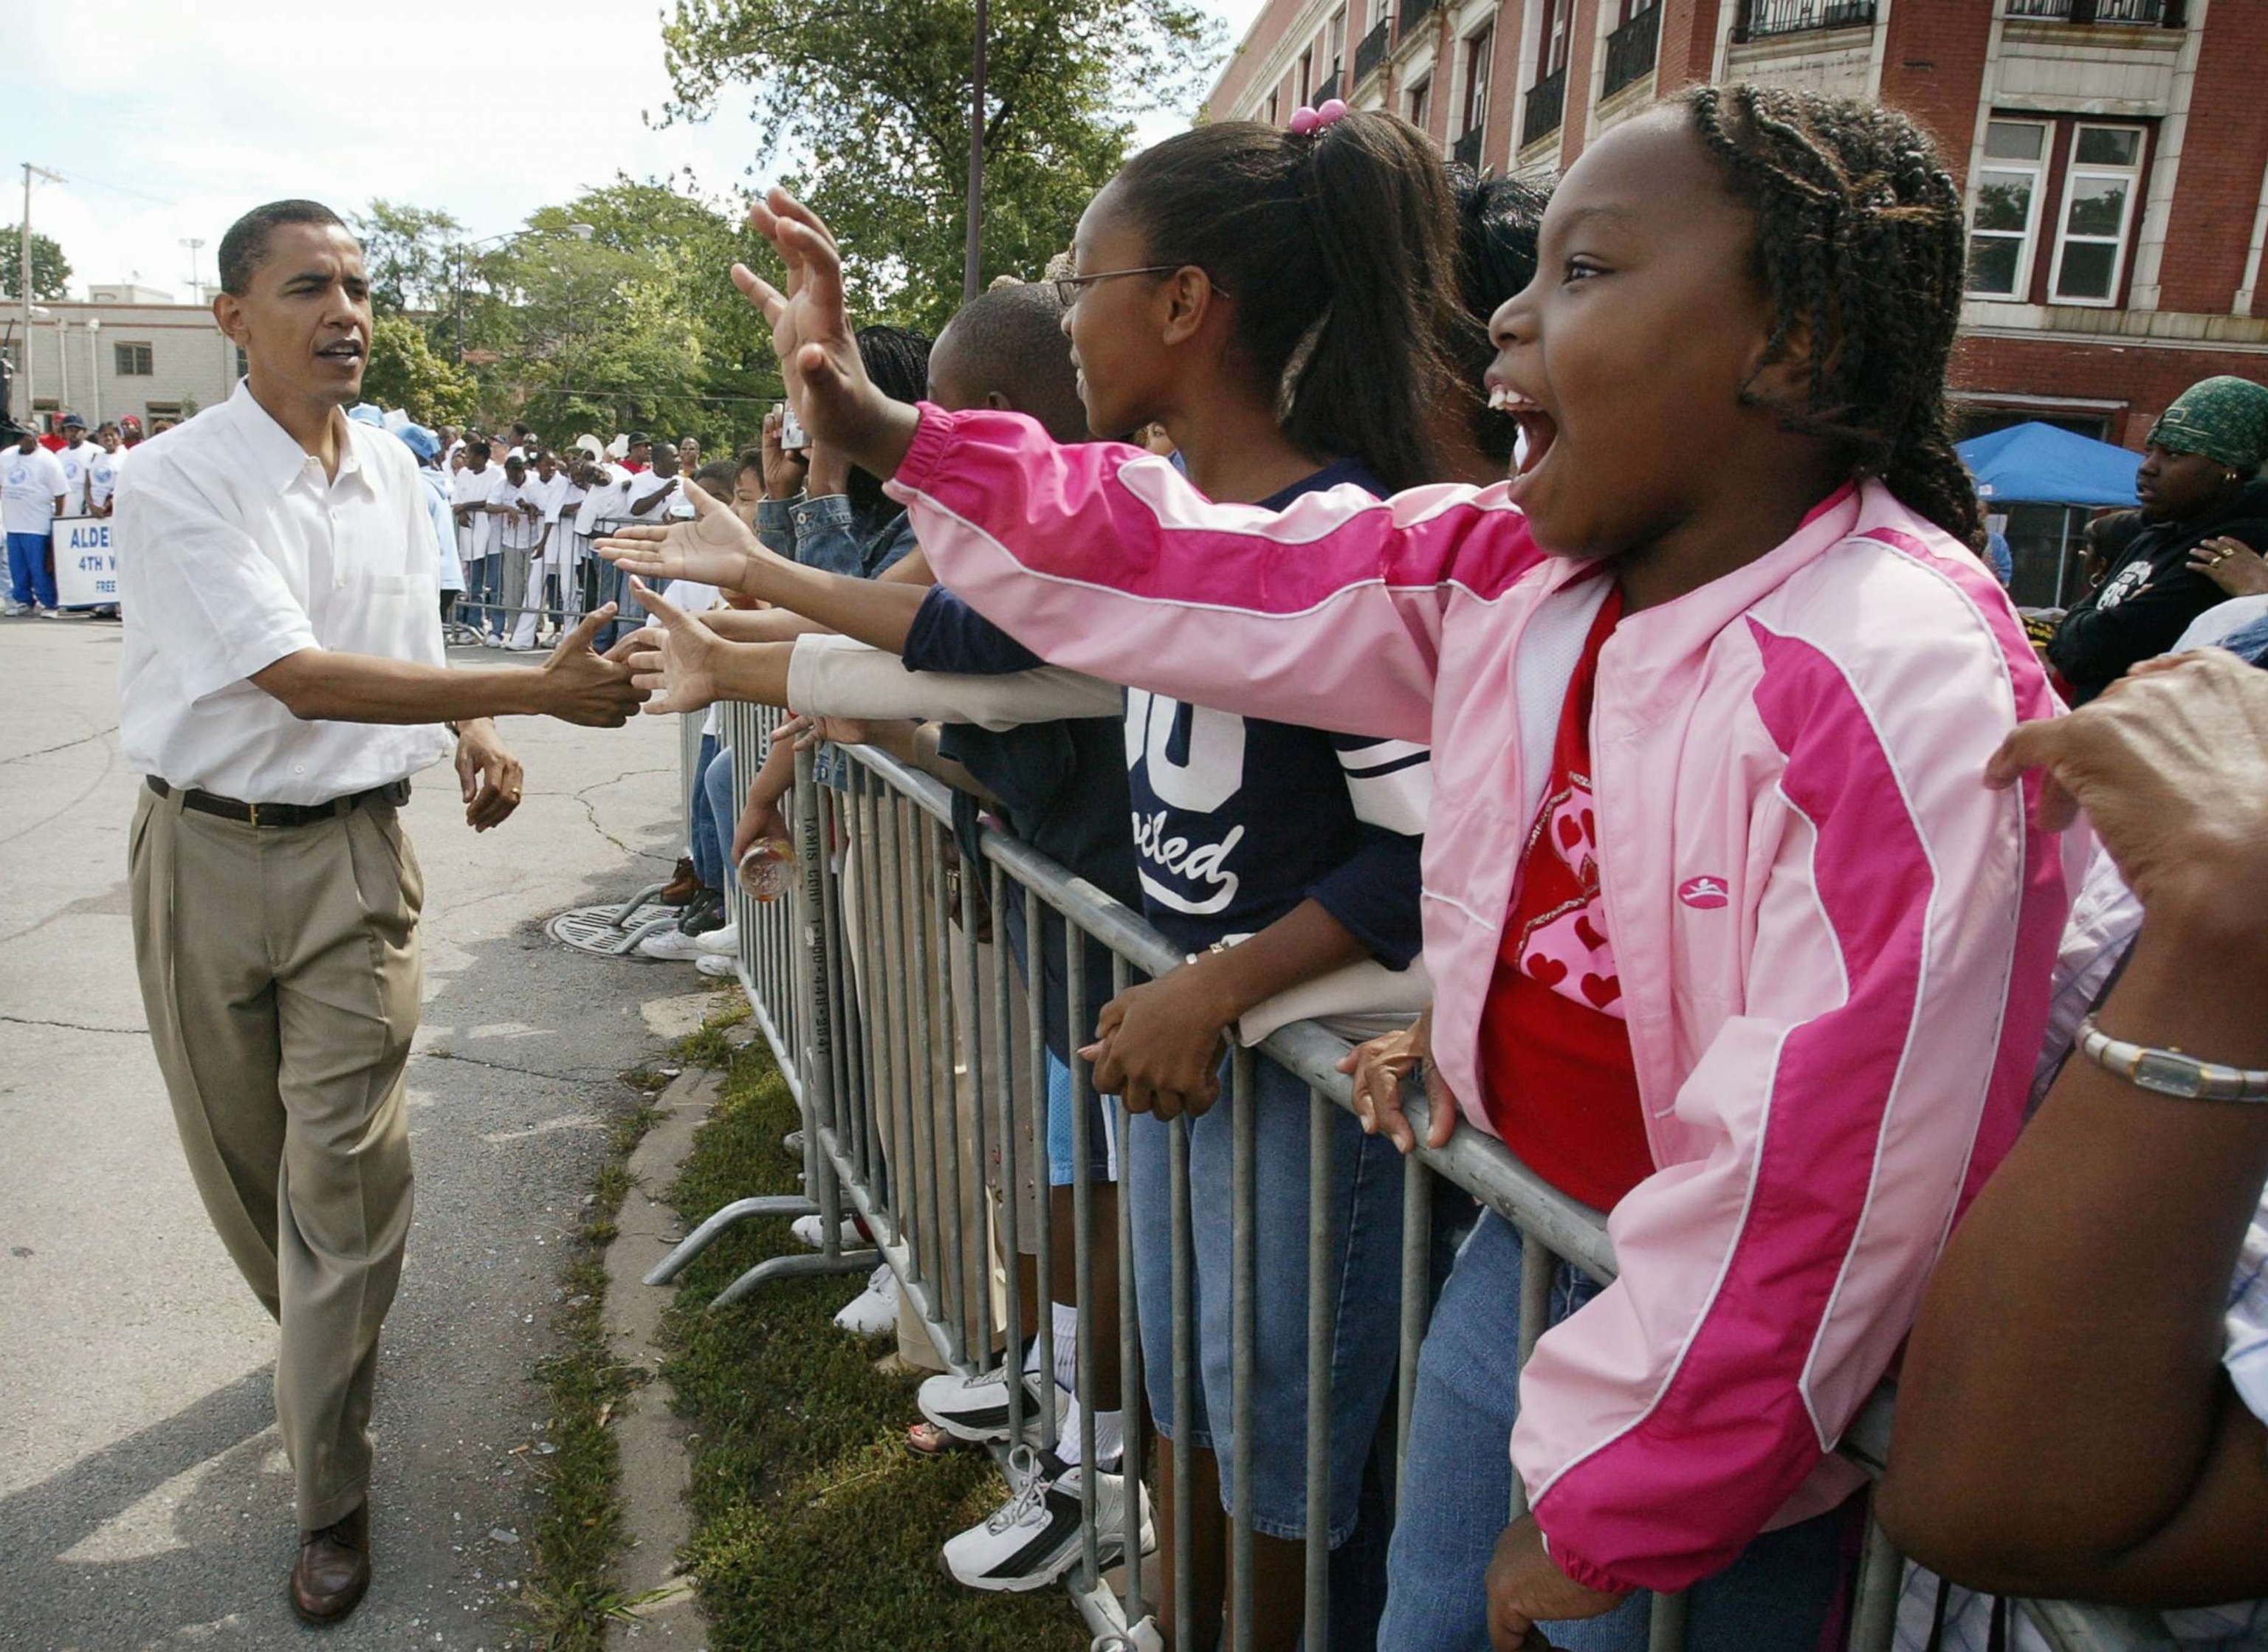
(581, 685)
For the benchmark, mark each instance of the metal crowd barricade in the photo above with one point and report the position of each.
(886, 1045)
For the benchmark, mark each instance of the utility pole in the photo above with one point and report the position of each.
(971, 259)
(23, 286)
(196, 243)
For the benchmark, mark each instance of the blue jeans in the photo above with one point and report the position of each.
(29, 577)
(1778, 1597)
(715, 813)
(1366, 1235)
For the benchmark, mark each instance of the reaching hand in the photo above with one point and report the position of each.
(580, 684)
(679, 666)
(811, 334)
(2171, 765)
(1526, 1586)
(1159, 1044)
(1380, 1066)
(711, 547)
(489, 775)
(811, 733)
(760, 818)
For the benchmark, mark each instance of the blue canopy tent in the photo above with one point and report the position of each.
(2046, 479)
(2041, 463)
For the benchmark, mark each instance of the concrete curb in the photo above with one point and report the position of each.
(656, 1465)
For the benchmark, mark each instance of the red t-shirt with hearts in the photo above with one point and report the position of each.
(1554, 1051)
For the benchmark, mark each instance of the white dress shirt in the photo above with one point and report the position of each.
(78, 469)
(236, 551)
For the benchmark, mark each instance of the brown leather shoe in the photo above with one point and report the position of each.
(684, 884)
(333, 1570)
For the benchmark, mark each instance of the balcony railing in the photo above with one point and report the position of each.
(1630, 50)
(1329, 89)
(1468, 149)
(1547, 103)
(1372, 52)
(2145, 14)
(1759, 19)
(1413, 13)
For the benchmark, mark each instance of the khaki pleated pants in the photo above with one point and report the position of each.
(280, 977)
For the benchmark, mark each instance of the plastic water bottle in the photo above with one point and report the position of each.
(765, 869)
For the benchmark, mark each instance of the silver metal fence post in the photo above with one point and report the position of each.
(1244, 1328)
(864, 863)
(1036, 919)
(1416, 1301)
(1082, 1231)
(905, 1190)
(971, 1019)
(1321, 1326)
(1184, 1377)
(1537, 1266)
(921, 986)
(1875, 1603)
(816, 1050)
(1012, 1185)
(1130, 1344)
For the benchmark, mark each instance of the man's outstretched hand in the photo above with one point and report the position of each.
(580, 684)
(811, 334)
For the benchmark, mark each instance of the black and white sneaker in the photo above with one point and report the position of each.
(1034, 1537)
(976, 1408)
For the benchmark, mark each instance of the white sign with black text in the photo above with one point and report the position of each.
(87, 561)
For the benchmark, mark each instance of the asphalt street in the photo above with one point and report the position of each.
(144, 1500)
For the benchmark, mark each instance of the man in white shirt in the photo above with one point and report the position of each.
(546, 491)
(603, 505)
(282, 677)
(76, 456)
(647, 497)
(32, 486)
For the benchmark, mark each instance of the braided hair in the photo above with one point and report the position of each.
(1860, 244)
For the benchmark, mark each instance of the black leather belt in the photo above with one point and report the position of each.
(283, 814)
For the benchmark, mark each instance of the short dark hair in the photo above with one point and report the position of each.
(478, 448)
(245, 247)
(1010, 340)
(716, 477)
(748, 459)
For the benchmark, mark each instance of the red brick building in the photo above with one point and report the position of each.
(2115, 152)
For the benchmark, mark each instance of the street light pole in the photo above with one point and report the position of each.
(24, 284)
(971, 260)
(196, 243)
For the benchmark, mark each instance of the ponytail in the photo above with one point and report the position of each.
(1337, 249)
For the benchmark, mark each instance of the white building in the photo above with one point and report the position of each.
(125, 349)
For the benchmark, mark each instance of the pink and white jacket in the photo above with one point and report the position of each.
(1835, 942)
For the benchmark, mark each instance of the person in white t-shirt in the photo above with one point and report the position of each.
(520, 533)
(469, 489)
(76, 456)
(547, 490)
(102, 475)
(602, 505)
(31, 487)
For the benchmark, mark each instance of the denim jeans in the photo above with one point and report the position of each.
(1778, 1597)
(29, 578)
(1366, 1234)
(714, 813)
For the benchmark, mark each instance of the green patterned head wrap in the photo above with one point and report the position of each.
(2224, 418)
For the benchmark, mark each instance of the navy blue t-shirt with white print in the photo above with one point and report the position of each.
(1237, 820)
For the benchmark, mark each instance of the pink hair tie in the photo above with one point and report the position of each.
(1306, 121)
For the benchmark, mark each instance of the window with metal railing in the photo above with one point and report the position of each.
(1329, 89)
(2148, 14)
(1468, 149)
(1413, 13)
(1630, 50)
(1372, 52)
(1547, 105)
(1761, 20)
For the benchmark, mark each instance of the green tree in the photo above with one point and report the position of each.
(410, 253)
(406, 372)
(51, 271)
(876, 92)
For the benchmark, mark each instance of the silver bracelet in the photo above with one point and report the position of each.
(2170, 1072)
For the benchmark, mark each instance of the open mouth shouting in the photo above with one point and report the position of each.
(1538, 430)
(347, 353)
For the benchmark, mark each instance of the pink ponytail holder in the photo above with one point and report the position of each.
(1306, 121)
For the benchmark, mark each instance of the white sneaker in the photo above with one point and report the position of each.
(490, 639)
(810, 1231)
(976, 1408)
(672, 944)
(725, 943)
(1135, 1637)
(716, 968)
(520, 647)
(1033, 1539)
(51, 613)
(12, 609)
(875, 1310)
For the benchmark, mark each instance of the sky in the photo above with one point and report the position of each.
(175, 115)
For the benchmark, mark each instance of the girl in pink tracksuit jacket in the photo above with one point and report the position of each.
(1719, 663)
